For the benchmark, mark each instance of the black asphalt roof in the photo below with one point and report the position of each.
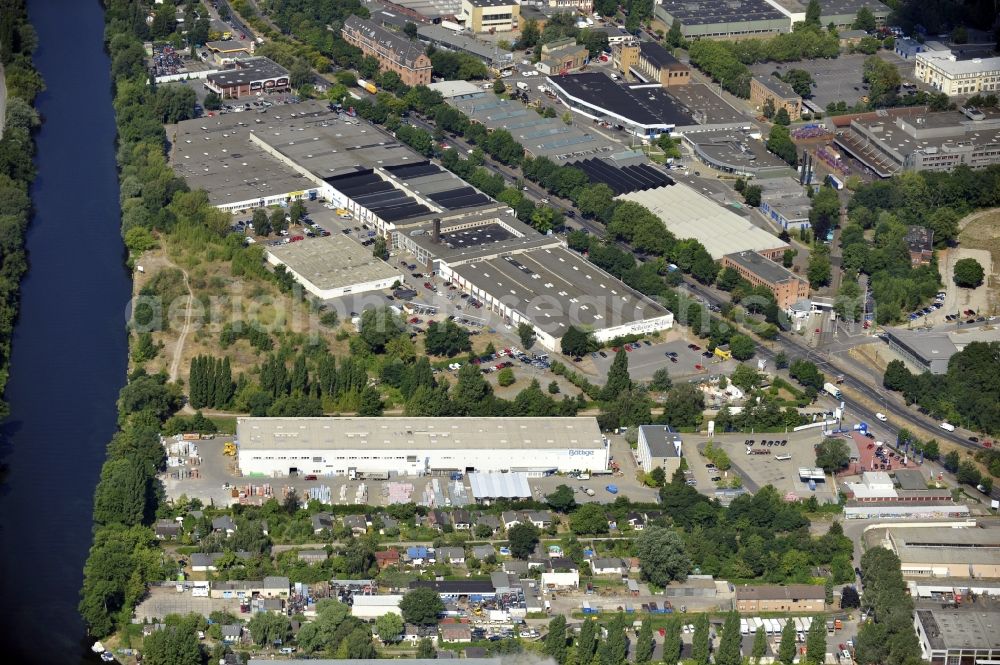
(626, 179)
(462, 197)
(643, 106)
(379, 196)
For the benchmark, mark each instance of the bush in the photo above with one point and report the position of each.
(506, 377)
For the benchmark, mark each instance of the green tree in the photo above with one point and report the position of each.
(663, 555)
(173, 645)
(212, 102)
(506, 377)
(379, 250)
(779, 141)
(781, 117)
(832, 455)
(613, 650)
(267, 628)
(561, 500)
(816, 641)
(120, 497)
(576, 342)
(741, 346)
(819, 270)
(410, 29)
(729, 644)
(672, 641)
(586, 643)
(661, 381)
(589, 519)
(759, 646)
(425, 649)
(700, 640)
(813, 13)
(522, 539)
(644, 643)
(378, 326)
(555, 641)
(864, 20)
(389, 627)
(658, 476)
(421, 606)
(499, 87)
(786, 648)
(849, 598)
(526, 332)
(968, 273)
(618, 379)
(683, 406)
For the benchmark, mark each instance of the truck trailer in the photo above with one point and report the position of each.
(832, 389)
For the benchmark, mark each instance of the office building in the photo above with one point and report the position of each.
(729, 20)
(562, 56)
(659, 446)
(767, 90)
(490, 15)
(918, 140)
(945, 72)
(393, 51)
(440, 37)
(787, 287)
(649, 62)
(930, 350)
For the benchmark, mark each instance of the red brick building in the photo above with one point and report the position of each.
(394, 52)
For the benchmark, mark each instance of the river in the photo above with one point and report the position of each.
(70, 349)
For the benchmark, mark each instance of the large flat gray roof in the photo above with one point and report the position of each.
(555, 288)
(333, 261)
(688, 214)
(946, 544)
(217, 155)
(702, 12)
(967, 628)
(405, 433)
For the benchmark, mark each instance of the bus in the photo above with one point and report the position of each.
(834, 182)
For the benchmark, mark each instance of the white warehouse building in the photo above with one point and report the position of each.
(276, 447)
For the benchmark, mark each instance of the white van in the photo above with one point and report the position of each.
(948, 427)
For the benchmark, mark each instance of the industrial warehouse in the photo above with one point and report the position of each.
(354, 447)
(308, 151)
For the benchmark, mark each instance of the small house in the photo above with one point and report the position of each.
(231, 633)
(224, 524)
(322, 522)
(607, 566)
(167, 529)
(491, 521)
(461, 519)
(387, 558)
(483, 551)
(456, 632)
(452, 555)
(358, 524)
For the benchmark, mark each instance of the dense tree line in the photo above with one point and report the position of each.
(889, 637)
(210, 382)
(759, 537)
(968, 394)
(727, 62)
(17, 171)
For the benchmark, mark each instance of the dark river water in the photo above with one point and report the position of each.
(69, 356)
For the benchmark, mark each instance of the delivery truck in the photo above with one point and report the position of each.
(832, 389)
(365, 85)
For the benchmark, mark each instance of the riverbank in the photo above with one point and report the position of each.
(68, 348)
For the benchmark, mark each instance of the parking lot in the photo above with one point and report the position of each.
(164, 600)
(837, 79)
(688, 362)
(760, 469)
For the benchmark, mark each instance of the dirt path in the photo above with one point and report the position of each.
(175, 364)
